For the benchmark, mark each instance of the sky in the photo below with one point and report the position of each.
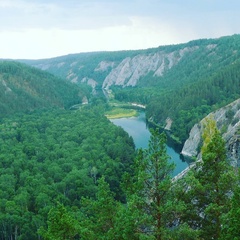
(36, 29)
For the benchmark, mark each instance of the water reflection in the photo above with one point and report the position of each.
(136, 127)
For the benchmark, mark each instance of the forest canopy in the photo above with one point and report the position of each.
(54, 156)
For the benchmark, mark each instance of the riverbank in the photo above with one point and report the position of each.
(121, 113)
(137, 129)
(123, 110)
(173, 141)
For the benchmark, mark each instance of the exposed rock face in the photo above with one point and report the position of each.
(228, 122)
(130, 70)
(190, 148)
(7, 88)
(90, 82)
(104, 66)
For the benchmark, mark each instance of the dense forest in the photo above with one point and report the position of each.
(74, 175)
(196, 78)
(198, 206)
(193, 102)
(24, 88)
(69, 173)
(52, 156)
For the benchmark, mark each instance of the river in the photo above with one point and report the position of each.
(136, 127)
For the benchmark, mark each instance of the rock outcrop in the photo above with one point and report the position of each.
(228, 122)
(130, 70)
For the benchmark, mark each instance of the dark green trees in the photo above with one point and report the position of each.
(150, 188)
(231, 223)
(56, 156)
(26, 88)
(145, 213)
(99, 215)
(61, 225)
(209, 186)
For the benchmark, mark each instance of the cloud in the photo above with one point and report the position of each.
(20, 14)
(48, 28)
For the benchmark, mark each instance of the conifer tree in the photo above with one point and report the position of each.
(98, 220)
(207, 197)
(150, 189)
(61, 225)
(231, 223)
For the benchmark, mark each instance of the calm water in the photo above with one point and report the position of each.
(136, 127)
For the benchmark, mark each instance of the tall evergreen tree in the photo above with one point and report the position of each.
(231, 223)
(99, 214)
(150, 188)
(61, 225)
(208, 194)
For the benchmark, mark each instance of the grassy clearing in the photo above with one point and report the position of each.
(121, 113)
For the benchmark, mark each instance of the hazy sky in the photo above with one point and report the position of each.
(48, 28)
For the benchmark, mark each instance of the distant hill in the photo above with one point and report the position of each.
(179, 83)
(24, 88)
(165, 66)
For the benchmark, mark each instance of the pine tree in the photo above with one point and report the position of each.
(231, 223)
(98, 219)
(61, 225)
(150, 189)
(208, 192)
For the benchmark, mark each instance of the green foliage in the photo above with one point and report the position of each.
(145, 215)
(231, 224)
(99, 214)
(207, 188)
(150, 189)
(56, 156)
(62, 156)
(24, 88)
(61, 225)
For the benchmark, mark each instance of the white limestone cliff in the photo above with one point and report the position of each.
(130, 70)
(228, 121)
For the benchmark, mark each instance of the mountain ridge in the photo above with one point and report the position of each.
(24, 88)
(228, 122)
(179, 77)
(133, 65)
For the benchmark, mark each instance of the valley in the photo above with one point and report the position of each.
(68, 172)
(183, 82)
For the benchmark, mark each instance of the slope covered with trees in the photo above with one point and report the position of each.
(202, 205)
(24, 88)
(188, 81)
(189, 104)
(47, 157)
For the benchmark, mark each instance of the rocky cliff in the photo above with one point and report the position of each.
(164, 66)
(114, 68)
(130, 70)
(228, 122)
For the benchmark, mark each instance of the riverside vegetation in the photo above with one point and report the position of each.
(183, 82)
(72, 174)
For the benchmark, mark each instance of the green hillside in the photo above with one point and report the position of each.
(81, 65)
(24, 88)
(55, 156)
(183, 82)
(189, 104)
(189, 62)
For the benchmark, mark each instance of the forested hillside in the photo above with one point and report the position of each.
(189, 104)
(72, 174)
(166, 66)
(57, 184)
(47, 157)
(182, 82)
(24, 88)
